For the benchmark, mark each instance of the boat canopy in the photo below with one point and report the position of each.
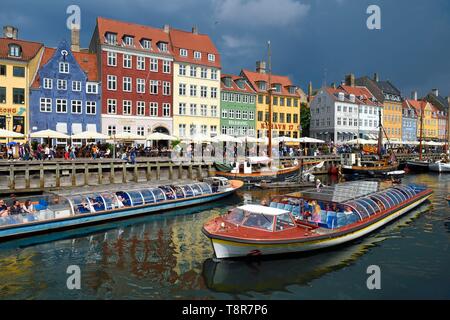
(254, 208)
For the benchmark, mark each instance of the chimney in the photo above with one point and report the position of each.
(436, 92)
(166, 28)
(376, 78)
(414, 95)
(310, 89)
(194, 30)
(75, 38)
(261, 67)
(10, 32)
(350, 80)
(333, 85)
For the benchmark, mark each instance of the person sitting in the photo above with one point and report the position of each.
(84, 207)
(119, 202)
(316, 212)
(16, 208)
(27, 207)
(3, 209)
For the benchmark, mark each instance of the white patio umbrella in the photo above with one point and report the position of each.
(127, 136)
(411, 143)
(433, 143)
(284, 139)
(90, 135)
(227, 138)
(50, 134)
(200, 138)
(10, 134)
(361, 141)
(310, 140)
(160, 136)
(253, 139)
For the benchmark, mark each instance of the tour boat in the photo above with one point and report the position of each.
(440, 166)
(342, 213)
(59, 211)
(418, 165)
(256, 169)
(370, 168)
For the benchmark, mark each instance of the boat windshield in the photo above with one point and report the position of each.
(284, 221)
(258, 220)
(236, 216)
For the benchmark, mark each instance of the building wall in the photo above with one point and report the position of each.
(54, 120)
(133, 120)
(233, 126)
(212, 122)
(392, 119)
(430, 124)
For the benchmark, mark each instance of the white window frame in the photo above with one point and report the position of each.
(90, 86)
(140, 63)
(153, 65)
(91, 107)
(48, 83)
(61, 102)
(197, 55)
(166, 110)
(183, 53)
(127, 61)
(45, 105)
(166, 67)
(140, 85)
(111, 79)
(127, 105)
(152, 85)
(61, 84)
(153, 106)
(127, 84)
(64, 67)
(78, 104)
(112, 59)
(111, 103)
(140, 108)
(76, 86)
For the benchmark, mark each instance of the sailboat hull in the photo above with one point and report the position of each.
(418, 166)
(439, 167)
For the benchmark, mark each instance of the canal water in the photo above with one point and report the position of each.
(166, 256)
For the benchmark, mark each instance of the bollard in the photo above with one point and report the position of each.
(149, 171)
(111, 173)
(100, 173)
(74, 175)
(41, 177)
(58, 176)
(86, 174)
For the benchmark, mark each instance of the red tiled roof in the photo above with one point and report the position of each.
(254, 77)
(363, 94)
(234, 87)
(334, 93)
(194, 42)
(29, 49)
(132, 29)
(87, 62)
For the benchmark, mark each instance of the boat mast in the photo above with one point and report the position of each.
(380, 133)
(421, 132)
(269, 133)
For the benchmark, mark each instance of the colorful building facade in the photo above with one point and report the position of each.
(238, 107)
(427, 125)
(136, 71)
(65, 95)
(19, 60)
(285, 103)
(409, 122)
(196, 80)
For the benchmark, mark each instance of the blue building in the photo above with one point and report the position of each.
(409, 121)
(65, 94)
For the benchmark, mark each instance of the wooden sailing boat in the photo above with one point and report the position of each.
(419, 165)
(442, 165)
(256, 169)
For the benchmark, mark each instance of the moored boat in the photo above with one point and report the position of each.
(418, 165)
(440, 166)
(60, 211)
(311, 220)
(285, 184)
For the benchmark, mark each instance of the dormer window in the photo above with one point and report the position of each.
(111, 38)
(128, 41)
(15, 50)
(146, 44)
(162, 46)
(277, 87)
(63, 67)
(183, 52)
(197, 55)
(227, 82)
(262, 85)
(211, 57)
(240, 83)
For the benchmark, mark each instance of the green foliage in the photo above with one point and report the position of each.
(305, 119)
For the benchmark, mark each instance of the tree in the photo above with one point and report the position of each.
(305, 119)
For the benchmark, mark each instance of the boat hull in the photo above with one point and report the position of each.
(418, 166)
(25, 230)
(439, 167)
(227, 248)
(289, 174)
(368, 171)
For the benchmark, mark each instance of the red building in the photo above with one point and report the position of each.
(136, 70)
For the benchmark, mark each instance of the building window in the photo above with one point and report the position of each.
(182, 109)
(140, 131)
(166, 110)
(251, 115)
(63, 67)
(112, 82)
(146, 44)
(231, 114)
(193, 129)
(213, 92)
(18, 96)
(203, 73)
(182, 70)
(193, 90)
(193, 109)
(112, 59)
(193, 70)
(153, 65)
(18, 72)
(91, 88)
(182, 89)
(183, 52)
(76, 106)
(126, 105)
(260, 116)
(166, 67)
(112, 106)
(244, 115)
(204, 129)
(166, 88)
(2, 70)
(61, 105)
(140, 85)
(211, 57)
(127, 84)
(203, 110)
(76, 85)
(111, 38)
(127, 61)
(140, 63)
(213, 74)
(213, 130)
(128, 41)
(213, 111)
(112, 130)
(46, 105)
(197, 55)
(48, 83)
(224, 113)
(182, 130)
(153, 86)
(62, 84)
(162, 46)
(2, 94)
(15, 50)
(127, 129)
(224, 130)
(203, 91)
(140, 108)
(153, 109)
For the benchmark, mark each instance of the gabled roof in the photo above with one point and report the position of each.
(417, 105)
(362, 94)
(29, 49)
(138, 31)
(334, 93)
(442, 103)
(87, 62)
(234, 87)
(388, 87)
(255, 77)
(202, 43)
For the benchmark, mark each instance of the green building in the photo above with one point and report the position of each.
(238, 106)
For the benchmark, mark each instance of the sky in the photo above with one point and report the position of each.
(312, 40)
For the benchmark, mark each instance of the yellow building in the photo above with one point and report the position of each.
(18, 64)
(429, 124)
(392, 119)
(285, 103)
(196, 82)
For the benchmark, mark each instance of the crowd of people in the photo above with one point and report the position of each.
(15, 207)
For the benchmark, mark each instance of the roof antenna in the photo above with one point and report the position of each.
(324, 80)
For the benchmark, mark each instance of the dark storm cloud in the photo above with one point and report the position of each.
(317, 40)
